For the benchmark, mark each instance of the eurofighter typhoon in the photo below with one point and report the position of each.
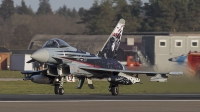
(64, 60)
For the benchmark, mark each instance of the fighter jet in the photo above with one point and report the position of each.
(63, 60)
(179, 59)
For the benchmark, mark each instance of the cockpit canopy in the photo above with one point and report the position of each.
(56, 43)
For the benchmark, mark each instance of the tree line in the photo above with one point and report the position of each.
(18, 24)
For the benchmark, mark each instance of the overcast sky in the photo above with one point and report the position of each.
(55, 4)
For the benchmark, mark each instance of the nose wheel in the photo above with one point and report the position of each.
(114, 89)
(58, 87)
(58, 90)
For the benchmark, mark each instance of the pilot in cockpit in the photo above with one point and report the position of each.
(51, 43)
(56, 43)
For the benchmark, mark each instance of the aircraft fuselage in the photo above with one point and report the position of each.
(73, 55)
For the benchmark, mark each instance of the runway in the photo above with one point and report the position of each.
(92, 97)
(101, 103)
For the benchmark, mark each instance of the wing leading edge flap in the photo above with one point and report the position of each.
(128, 71)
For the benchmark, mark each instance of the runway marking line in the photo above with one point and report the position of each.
(100, 101)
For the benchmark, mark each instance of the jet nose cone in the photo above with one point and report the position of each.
(41, 55)
(170, 59)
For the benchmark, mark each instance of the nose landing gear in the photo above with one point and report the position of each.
(58, 87)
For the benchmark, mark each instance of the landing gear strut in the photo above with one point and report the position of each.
(58, 88)
(114, 89)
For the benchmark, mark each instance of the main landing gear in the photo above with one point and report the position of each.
(81, 82)
(58, 87)
(114, 89)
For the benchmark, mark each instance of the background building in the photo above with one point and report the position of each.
(19, 58)
(160, 48)
(4, 58)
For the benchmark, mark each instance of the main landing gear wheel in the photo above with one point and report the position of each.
(114, 89)
(58, 90)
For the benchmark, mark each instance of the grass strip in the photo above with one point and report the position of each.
(10, 74)
(175, 85)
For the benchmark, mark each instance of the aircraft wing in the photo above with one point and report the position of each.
(128, 72)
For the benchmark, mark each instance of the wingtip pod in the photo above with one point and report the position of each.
(122, 21)
(175, 73)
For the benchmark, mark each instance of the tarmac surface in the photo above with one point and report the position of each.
(101, 103)
(11, 79)
(103, 97)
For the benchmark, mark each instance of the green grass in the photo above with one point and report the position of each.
(175, 85)
(10, 74)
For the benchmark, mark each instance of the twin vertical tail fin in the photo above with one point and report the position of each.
(111, 46)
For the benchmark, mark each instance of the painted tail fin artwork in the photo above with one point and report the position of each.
(110, 48)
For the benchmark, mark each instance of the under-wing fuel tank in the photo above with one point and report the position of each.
(41, 79)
